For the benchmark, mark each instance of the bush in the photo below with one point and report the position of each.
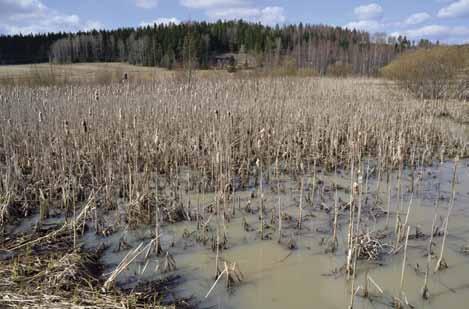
(438, 72)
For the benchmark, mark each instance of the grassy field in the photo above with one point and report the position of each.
(45, 73)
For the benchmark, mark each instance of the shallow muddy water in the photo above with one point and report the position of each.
(277, 277)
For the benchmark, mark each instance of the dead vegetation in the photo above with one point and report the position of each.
(60, 277)
(128, 155)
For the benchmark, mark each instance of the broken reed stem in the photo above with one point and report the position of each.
(353, 292)
(441, 263)
(336, 215)
(126, 261)
(404, 260)
(380, 290)
(408, 209)
(215, 283)
(66, 226)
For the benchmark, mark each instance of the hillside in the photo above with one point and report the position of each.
(198, 44)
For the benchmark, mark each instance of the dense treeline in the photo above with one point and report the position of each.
(22, 49)
(318, 47)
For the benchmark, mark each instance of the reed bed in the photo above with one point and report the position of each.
(137, 148)
(68, 141)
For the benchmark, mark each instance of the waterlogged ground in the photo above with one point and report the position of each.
(280, 278)
(277, 277)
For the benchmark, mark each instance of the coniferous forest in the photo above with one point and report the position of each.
(317, 47)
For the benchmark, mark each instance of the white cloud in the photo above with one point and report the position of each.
(368, 12)
(238, 9)
(366, 25)
(161, 21)
(270, 15)
(209, 4)
(146, 4)
(12, 9)
(417, 18)
(370, 18)
(32, 16)
(439, 32)
(459, 8)
(234, 13)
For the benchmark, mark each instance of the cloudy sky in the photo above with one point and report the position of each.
(444, 20)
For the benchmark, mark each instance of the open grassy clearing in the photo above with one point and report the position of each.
(91, 73)
(46, 74)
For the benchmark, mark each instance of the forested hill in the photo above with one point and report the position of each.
(308, 46)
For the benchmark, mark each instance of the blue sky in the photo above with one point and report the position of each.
(444, 20)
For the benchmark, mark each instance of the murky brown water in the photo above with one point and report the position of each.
(279, 278)
(276, 277)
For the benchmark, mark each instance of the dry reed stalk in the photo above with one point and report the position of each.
(367, 177)
(277, 172)
(441, 263)
(80, 218)
(353, 292)
(126, 261)
(336, 215)
(261, 211)
(404, 261)
(157, 248)
(350, 224)
(425, 292)
(398, 225)
(217, 254)
(380, 290)
(365, 289)
(232, 274)
(360, 200)
(388, 203)
(313, 189)
(300, 210)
